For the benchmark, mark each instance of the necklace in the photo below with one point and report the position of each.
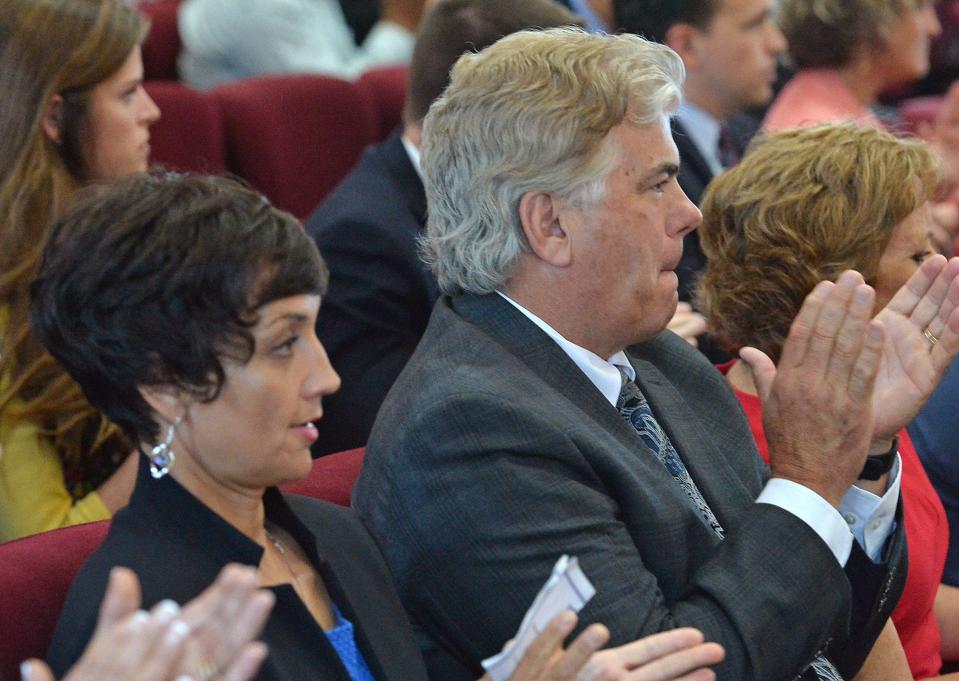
(278, 545)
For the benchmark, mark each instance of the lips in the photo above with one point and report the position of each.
(307, 431)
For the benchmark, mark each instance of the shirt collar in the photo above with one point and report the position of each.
(704, 132)
(414, 153)
(593, 23)
(601, 372)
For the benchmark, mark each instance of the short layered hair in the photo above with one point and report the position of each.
(156, 280)
(831, 33)
(453, 27)
(653, 18)
(803, 206)
(530, 113)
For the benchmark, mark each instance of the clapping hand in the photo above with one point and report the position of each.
(922, 337)
(211, 638)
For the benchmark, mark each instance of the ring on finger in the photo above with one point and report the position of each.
(930, 336)
(206, 670)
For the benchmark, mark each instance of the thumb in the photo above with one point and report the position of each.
(762, 369)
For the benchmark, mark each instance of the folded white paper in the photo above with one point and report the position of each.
(566, 589)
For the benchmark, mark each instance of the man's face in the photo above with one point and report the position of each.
(625, 248)
(734, 57)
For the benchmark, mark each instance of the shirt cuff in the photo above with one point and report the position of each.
(813, 510)
(871, 519)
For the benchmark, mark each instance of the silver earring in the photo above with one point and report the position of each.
(162, 457)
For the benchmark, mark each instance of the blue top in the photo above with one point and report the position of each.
(935, 433)
(344, 642)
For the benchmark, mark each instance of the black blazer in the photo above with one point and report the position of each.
(512, 457)
(380, 293)
(694, 175)
(177, 546)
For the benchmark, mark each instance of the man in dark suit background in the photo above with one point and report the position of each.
(381, 294)
(521, 430)
(729, 49)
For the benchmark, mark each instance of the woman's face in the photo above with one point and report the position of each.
(904, 56)
(258, 431)
(119, 116)
(907, 248)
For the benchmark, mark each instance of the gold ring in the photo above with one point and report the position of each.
(206, 670)
(930, 337)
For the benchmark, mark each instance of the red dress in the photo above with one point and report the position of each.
(927, 534)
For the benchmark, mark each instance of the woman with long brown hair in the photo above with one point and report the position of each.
(74, 113)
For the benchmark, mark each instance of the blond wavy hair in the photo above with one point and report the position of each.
(802, 206)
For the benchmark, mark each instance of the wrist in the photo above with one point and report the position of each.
(877, 465)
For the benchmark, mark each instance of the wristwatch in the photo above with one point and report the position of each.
(877, 465)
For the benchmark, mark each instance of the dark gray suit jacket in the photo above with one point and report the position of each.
(494, 454)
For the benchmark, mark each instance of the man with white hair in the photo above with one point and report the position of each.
(521, 429)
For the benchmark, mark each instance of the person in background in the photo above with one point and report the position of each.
(381, 293)
(75, 113)
(186, 308)
(729, 49)
(803, 206)
(224, 41)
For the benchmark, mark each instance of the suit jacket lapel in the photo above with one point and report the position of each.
(719, 484)
(546, 359)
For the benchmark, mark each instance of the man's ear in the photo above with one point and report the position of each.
(52, 121)
(682, 38)
(539, 214)
(166, 401)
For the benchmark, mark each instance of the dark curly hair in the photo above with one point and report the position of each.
(155, 279)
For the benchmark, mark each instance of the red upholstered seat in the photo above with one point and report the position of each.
(35, 574)
(332, 477)
(189, 135)
(162, 45)
(294, 137)
(387, 89)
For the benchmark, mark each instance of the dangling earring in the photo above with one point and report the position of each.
(161, 456)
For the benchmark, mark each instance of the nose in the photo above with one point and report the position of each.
(150, 112)
(687, 217)
(933, 25)
(323, 380)
(775, 40)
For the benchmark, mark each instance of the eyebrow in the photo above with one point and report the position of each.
(296, 317)
(759, 18)
(668, 169)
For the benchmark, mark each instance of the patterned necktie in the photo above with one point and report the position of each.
(634, 409)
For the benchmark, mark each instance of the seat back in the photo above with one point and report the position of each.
(162, 44)
(331, 478)
(35, 575)
(294, 137)
(189, 135)
(387, 90)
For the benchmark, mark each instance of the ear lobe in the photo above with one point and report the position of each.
(540, 217)
(164, 400)
(681, 38)
(52, 121)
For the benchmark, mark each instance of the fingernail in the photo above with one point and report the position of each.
(166, 610)
(26, 671)
(567, 619)
(139, 619)
(179, 630)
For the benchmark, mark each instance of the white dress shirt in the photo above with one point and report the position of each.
(226, 40)
(863, 515)
(703, 131)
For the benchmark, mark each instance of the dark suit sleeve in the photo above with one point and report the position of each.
(500, 514)
(370, 321)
